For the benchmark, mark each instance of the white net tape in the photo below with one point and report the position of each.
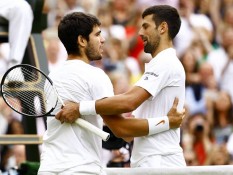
(190, 170)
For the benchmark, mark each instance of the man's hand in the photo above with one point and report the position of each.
(175, 117)
(69, 113)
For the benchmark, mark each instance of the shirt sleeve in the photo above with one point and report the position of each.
(155, 79)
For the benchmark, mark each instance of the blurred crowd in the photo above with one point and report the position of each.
(204, 46)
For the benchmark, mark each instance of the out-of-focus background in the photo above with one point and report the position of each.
(204, 46)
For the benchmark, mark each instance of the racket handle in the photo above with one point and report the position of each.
(86, 125)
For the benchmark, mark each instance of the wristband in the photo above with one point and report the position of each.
(157, 125)
(87, 107)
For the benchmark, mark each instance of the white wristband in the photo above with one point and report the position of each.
(87, 108)
(157, 125)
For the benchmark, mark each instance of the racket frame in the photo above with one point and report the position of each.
(50, 81)
(81, 122)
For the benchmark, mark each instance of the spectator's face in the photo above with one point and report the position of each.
(189, 61)
(186, 7)
(227, 38)
(198, 126)
(205, 5)
(228, 17)
(71, 3)
(105, 16)
(206, 72)
(121, 4)
(150, 35)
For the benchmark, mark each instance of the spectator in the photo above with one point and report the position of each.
(13, 155)
(197, 139)
(195, 93)
(222, 118)
(221, 61)
(54, 53)
(190, 64)
(107, 27)
(20, 17)
(191, 22)
(218, 156)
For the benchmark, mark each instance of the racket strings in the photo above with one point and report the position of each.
(28, 85)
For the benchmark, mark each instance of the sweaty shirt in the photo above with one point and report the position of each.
(69, 146)
(164, 79)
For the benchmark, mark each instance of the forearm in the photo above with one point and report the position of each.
(126, 127)
(134, 127)
(114, 105)
(118, 104)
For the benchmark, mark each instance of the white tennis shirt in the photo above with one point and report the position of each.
(68, 145)
(164, 79)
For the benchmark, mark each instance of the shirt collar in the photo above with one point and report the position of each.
(164, 53)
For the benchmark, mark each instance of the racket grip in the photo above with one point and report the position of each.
(99, 132)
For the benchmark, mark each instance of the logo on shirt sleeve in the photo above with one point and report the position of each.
(151, 73)
(147, 74)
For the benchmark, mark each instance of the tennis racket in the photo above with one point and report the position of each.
(28, 91)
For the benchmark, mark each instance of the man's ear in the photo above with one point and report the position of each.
(163, 27)
(81, 41)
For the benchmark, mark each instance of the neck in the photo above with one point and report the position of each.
(78, 57)
(162, 47)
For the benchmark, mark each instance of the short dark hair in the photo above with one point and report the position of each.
(165, 13)
(74, 24)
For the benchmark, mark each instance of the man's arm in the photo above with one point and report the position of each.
(123, 103)
(117, 104)
(125, 127)
(136, 127)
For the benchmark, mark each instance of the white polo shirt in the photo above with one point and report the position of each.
(68, 146)
(164, 79)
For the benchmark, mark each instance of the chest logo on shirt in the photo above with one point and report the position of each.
(162, 121)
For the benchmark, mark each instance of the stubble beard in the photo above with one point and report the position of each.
(92, 53)
(151, 47)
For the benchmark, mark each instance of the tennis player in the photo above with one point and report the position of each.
(152, 96)
(67, 148)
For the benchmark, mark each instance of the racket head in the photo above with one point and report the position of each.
(28, 91)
